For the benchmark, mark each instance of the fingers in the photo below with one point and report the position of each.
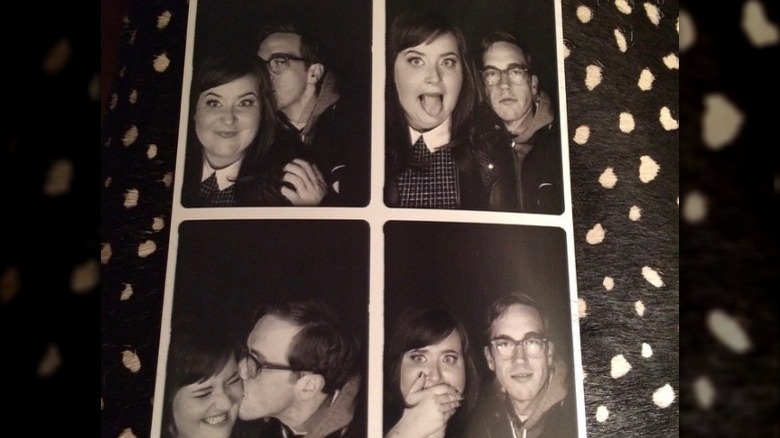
(418, 383)
(308, 182)
(303, 174)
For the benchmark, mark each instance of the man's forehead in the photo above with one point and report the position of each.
(518, 320)
(502, 52)
(272, 334)
(281, 42)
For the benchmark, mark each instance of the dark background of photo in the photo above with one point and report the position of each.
(467, 266)
(533, 22)
(343, 30)
(228, 269)
(343, 27)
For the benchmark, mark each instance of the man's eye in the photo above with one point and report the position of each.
(279, 61)
(502, 344)
(490, 74)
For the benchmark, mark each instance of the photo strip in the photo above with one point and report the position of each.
(371, 224)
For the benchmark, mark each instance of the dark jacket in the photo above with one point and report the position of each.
(555, 415)
(541, 169)
(339, 140)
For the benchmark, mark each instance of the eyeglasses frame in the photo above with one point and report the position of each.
(287, 59)
(525, 69)
(261, 366)
(522, 342)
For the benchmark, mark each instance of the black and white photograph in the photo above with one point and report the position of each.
(268, 330)
(472, 116)
(478, 331)
(279, 105)
(391, 219)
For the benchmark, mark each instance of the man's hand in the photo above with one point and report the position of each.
(308, 181)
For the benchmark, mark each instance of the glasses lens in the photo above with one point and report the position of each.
(504, 347)
(278, 65)
(534, 347)
(517, 75)
(252, 366)
(490, 76)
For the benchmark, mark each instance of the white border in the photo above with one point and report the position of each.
(376, 214)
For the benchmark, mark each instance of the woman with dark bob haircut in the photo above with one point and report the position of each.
(431, 381)
(430, 97)
(237, 155)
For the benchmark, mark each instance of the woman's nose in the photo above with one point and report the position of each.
(229, 117)
(222, 400)
(433, 76)
(433, 374)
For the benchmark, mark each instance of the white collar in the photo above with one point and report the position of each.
(226, 176)
(436, 137)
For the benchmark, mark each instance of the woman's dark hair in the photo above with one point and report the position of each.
(213, 71)
(410, 30)
(415, 328)
(196, 353)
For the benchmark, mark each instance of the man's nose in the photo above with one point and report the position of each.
(503, 79)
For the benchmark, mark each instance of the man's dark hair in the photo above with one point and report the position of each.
(500, 306)
(506, 37)
(323, 345)
(312, 48)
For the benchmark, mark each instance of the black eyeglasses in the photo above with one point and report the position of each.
(517, 74)
(506, 347)
(254, 367)
(278, 63)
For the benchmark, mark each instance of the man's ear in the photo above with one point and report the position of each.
(550, 352)
(489, 356)
(309, 385)
(315, 72)
(535, 85)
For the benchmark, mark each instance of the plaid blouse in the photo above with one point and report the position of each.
(434, 184)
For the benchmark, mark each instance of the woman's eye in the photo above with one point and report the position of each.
(233, 380)
(203, 394)
(415, 61)
(247, 102)
(418, 358)
(451, 359)
(449, 62)
(213, 103)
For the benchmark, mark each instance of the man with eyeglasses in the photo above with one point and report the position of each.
(301, 374)
(308, 104)
(531, 395)
(518, 118)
